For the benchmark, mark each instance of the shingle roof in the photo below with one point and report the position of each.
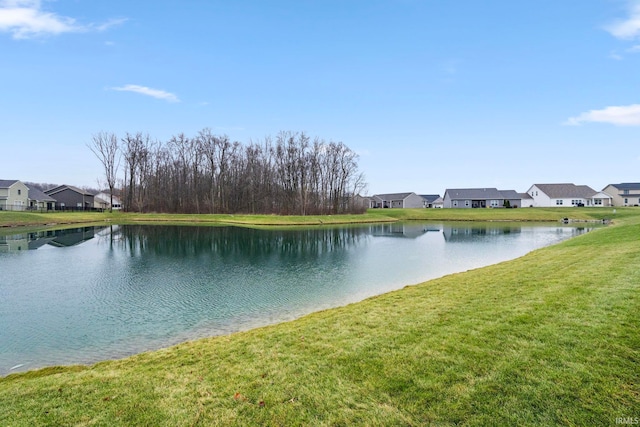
(627, 186)
(560, 191)
(474, 193)
(35, 194)
(393, 196)
(430, 197)
(6, 183)
(70, 187)
(510, 194)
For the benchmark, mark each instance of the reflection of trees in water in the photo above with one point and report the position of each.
(186, 241)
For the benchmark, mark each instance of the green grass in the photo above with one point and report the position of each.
(55, 219)
(547, 339)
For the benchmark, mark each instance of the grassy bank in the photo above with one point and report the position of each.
(548, 339)
(30, 219)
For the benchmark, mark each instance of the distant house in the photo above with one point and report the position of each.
(567, 195)
(480, 198)
(40, 201)
(397, 200)
(103, 197)
(438, 203)
(624, 194)
(14, 195)
(526, 201)
(73, 198)
(429, 199)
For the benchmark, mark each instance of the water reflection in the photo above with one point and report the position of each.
(57, 238)
(228, 242)
(93, 293)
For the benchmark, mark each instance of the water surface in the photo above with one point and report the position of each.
(93, 293)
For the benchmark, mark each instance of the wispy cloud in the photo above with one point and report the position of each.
(628, 28)
(154, 93)
(25, 19)
(626, 115)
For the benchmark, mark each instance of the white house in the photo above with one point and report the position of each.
(566, 195)
(104, 200)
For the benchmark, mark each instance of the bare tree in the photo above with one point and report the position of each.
(105, 146)
(209, 173)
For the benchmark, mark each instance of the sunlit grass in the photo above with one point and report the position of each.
(547, 339)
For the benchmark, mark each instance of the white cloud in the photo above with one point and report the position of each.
(629, 28)
(627, 115)
(615, 55)
(143, 90)
(25, 19)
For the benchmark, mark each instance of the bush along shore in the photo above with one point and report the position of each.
(550, 338)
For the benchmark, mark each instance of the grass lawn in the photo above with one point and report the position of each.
(55, 219)
(547, 339)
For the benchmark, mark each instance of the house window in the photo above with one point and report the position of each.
(455, 203)
(494, 203)
(625, 192)
(597, 202)
(19, 192)
(558, 202)
(466, 203)
(626, 201)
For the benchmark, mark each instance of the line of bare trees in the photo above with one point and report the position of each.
(291, 174)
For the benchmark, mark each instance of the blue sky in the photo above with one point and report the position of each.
(431, 94)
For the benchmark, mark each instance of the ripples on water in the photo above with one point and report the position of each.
(95, 293)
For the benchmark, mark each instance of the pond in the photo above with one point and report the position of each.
(87, 294)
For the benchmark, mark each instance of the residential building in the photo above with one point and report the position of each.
(102, 198)
(480, 198)
(624, 194)
(567, 195)
(40, 201)
(397, 200)
(429, 199)
(14, 195)
(73, 198)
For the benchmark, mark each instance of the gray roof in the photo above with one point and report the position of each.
(37, 195)
(563, 191)
(627, 186)
(474, 193)
(393, 196)
(70, 187)
(6, 183)
(430, 197)
(510, 194)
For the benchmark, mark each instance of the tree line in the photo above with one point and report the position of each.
(289, 174)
